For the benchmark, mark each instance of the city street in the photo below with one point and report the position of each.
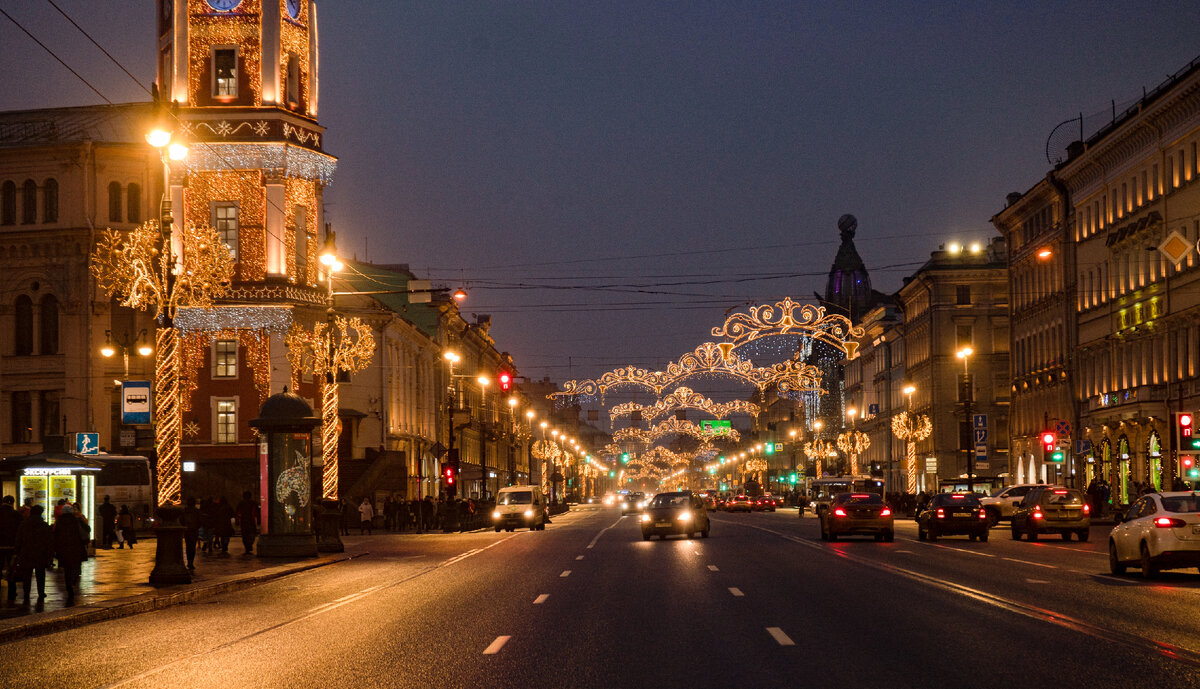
(763, 602)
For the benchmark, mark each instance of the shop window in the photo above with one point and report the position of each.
(225, 428)
(133, 203)
(48, 337)
(114, 202)
(23, 326)
(29, 202)
(225, 220)
(224, 67)
(225, 359)
(8, 203)
(22, 417)
(50, 201)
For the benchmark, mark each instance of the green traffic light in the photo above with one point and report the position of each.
(625, 458)
(1057, 457)
(612, 474)
(769, 449)
(1194, 443)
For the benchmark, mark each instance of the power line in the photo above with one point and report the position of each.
(89, 37)
(56, 57)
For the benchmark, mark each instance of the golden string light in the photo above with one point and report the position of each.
(818, 450)
(247, 190)
(240, 29)
(781, 318)
(132, 266)
(685, 398)
(911, 428)
(853, 443)
(301, 193)
(325, 350)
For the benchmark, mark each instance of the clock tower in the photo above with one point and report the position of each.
(241, 76)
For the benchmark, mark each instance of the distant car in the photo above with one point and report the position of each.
(710, 500)
(951, 514)
(675, 513)
(1159, 531)
(1001, 504)
(632, 503)
(1052, 509)
(858, 514)
(766, 503)
(740, 503)
(610, 499)
(520, 506)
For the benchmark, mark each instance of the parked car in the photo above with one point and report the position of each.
(1052, 509)
(675, 513)
(1159, 531)
(1002, 503)
(858, 514)
(952, 514)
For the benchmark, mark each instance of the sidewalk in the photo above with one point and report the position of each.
(115, 583)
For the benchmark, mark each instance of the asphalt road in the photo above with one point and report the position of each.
(588, 603)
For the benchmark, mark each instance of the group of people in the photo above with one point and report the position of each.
(417, 515)
(29, 546)
(117, 526)
(211, 523)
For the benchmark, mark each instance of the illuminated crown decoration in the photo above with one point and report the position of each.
(685, 398)
(755, 465)
(781, 318)
(914, 427)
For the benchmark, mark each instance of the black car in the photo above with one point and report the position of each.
(675, 513)
(953, 514)
(858, 513)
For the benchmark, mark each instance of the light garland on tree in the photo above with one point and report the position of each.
(911, 428)
(853, 443)
(819, 449)
(323, 351)
(781, 318)
(132, 265)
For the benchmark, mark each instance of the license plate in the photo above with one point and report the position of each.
(663, 524)
(1195, 528)
(963, 514)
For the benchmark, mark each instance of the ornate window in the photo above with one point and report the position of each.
(114, 202)
(8, 203)
(29, 202)
(225, 428)
(48, 337)
(23, 327)
(225, 359)
(225, 221)
(224, 68)
(133, 203)
(50, 201)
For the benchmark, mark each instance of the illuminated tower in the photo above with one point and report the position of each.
(243, 74)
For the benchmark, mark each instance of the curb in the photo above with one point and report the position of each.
(100, 611)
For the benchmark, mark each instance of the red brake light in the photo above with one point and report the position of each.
(839, 512)
(1087, 509)
(1037, 513)
(983, 514)
(1060, 492)
(1169, 523)
(957, 497)
(856, 496)
(941, 513)
(885, 512)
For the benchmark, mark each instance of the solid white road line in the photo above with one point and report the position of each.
(713, 568)
(566, 573)
(737, 592)
(496, 645)
(1035, 564)
(1036, 581)
(777, 634)
(541, 599)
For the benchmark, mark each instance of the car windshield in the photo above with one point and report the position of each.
(670, 500)
(956, 499)
(1182, 503)
(1062, 497)
(516, 497)
(860, 498)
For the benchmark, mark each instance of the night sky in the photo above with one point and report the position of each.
(607, 179)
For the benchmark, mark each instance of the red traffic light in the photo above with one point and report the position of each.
(1188, 462)
(448, 474)
(1048, 441)
(505, 381)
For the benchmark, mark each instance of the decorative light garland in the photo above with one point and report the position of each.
(246, 189)
(853, 443)
(240, 29)
(781, 318)
(685, 398)
(283, 158)
(301, 193)
(911, 428)
(273, 320)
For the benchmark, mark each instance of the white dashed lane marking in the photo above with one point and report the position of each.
(541, 599)
(713, 568)
(737, 593)
(566, 573)
(496, 645)
(578, 557)
(777, 634)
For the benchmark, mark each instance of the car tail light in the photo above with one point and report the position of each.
(1060, 492)
(839, 512)
(1087, 509)
(1169, 523)
(885, 512)
(1037, 513)
(982, 514)
(941, 513)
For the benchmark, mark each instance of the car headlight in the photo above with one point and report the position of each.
(528, 513)
(685, 516)
(645, 517)
(496, 514)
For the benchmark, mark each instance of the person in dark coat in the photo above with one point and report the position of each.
(125, 526)
(10, 521)
(34, 552)
(247, 517)
(190, 519)
(427, 513)
(224, 527)
(108, 522)
(70, 547)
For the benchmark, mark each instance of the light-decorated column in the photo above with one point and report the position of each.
(911, 428)
(168, 426)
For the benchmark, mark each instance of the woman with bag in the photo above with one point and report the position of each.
(34, 552)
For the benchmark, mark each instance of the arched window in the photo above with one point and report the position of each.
(133, 203)
(29, 202)
(23, 327)
(8, 203)
(50, 201)
(48, 343)
(114, 202)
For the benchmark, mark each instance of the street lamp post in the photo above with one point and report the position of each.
(967, 393)
(110, 348)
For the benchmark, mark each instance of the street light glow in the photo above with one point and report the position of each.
(158, 138)
(965, 352)
(177, 151)
(482, 380)
(452, 357)
(910, 389)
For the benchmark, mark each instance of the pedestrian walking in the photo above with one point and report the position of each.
(10, 521)
(33, 554)
(70, 548)
(247, 517)
(225, 520)
(427, 514)
(108, 522)
(126, 534)
(366, 515)
(190, 519)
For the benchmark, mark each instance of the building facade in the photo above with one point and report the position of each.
(874, 389)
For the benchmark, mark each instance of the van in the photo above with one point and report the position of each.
(520, 506)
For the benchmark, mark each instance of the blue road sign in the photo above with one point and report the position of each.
(87, 443)
(981, 421)
(873, 409)
(981, 451)
(135, 402)
(980, 435)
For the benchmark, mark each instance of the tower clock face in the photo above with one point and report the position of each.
(293, 8)
(224, 5)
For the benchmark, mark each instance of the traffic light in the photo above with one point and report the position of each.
(624, 458)
(1057, 456)
(449, 478)
(1185, 438)
(1188, 470)
(792, 478)
(1049, 440)
(769, 449)
(612, 474)
(505, 380)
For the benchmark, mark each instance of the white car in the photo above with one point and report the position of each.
(1159, 531)
(1002, 503)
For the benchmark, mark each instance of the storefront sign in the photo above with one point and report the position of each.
(47, 471)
